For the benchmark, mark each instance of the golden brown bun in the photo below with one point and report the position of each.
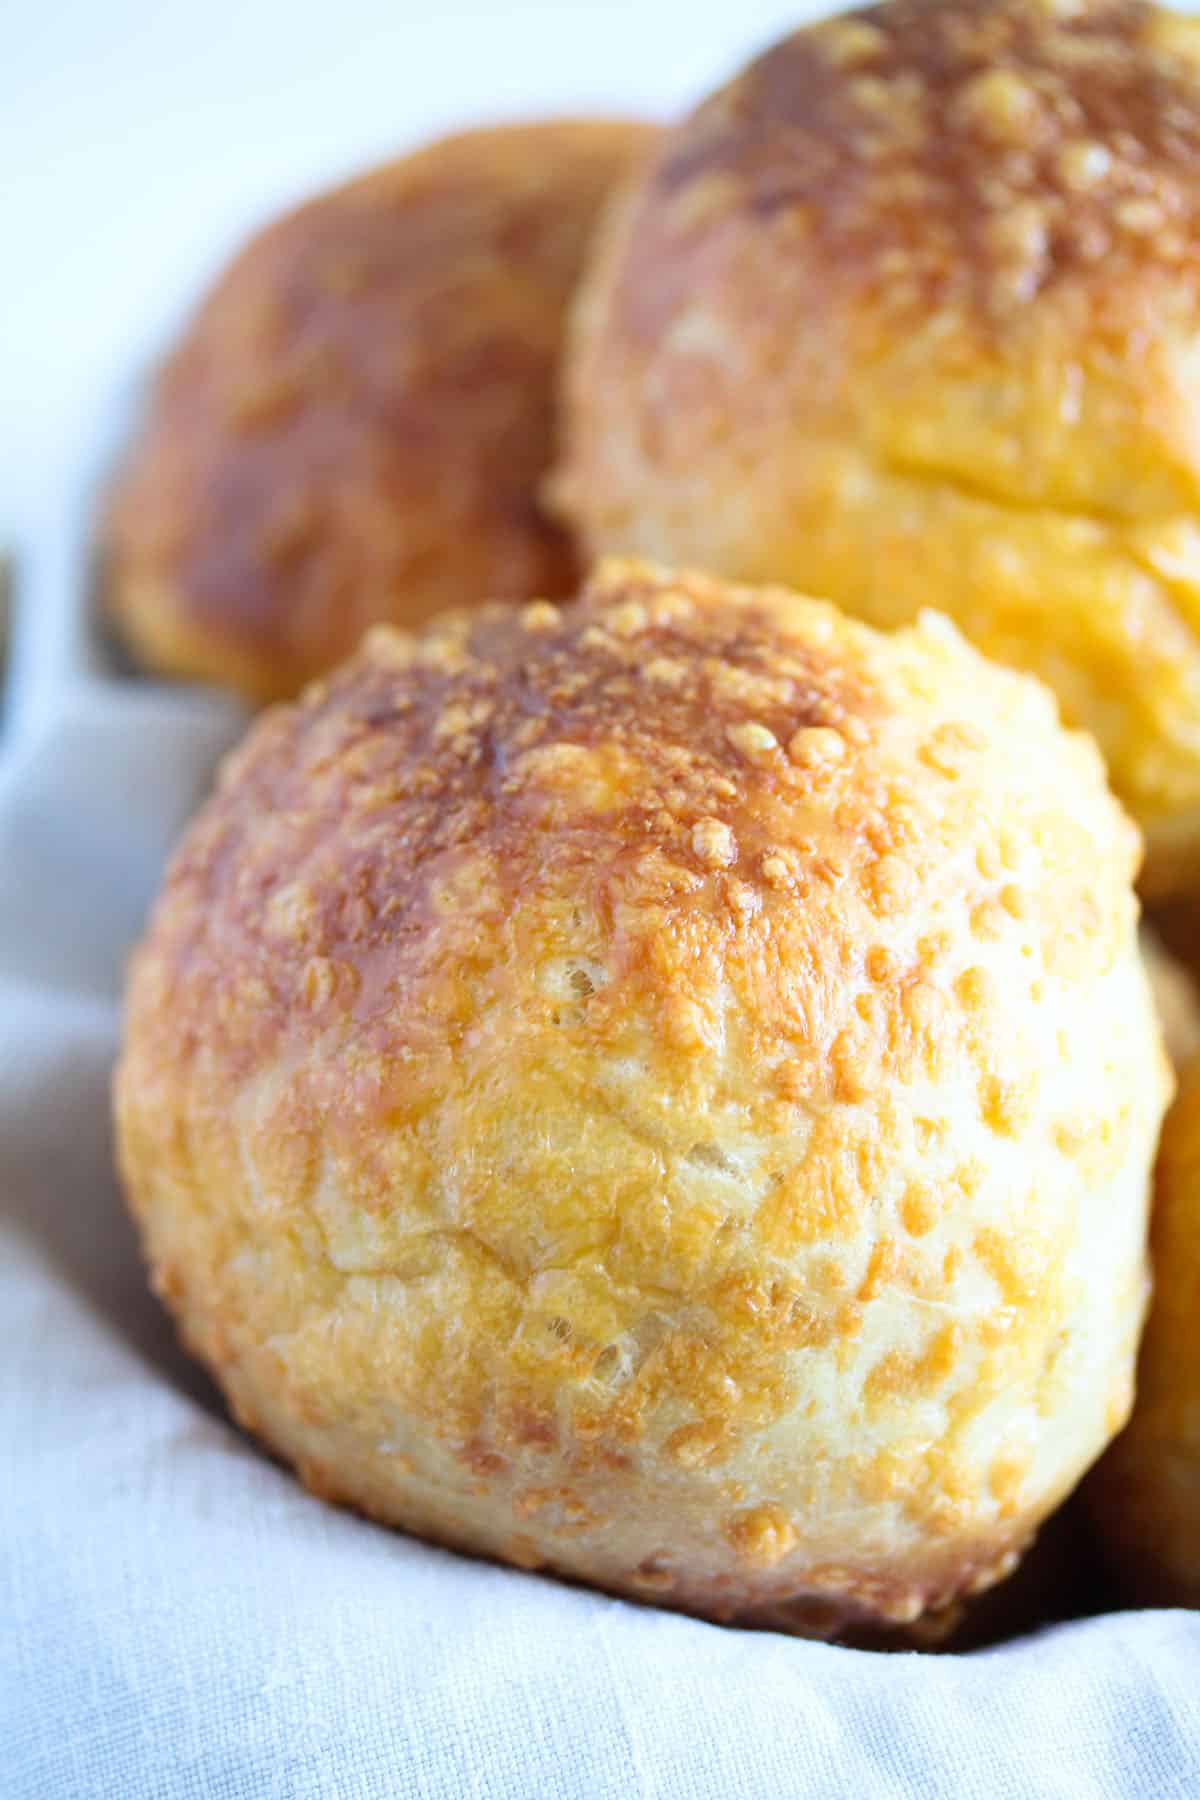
(1176, 926)
(354, 427)
(662, 1090)
(1175, 998)
(1146, 1493)
(909, 314)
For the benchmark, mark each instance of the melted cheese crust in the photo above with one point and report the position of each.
(662, 1090)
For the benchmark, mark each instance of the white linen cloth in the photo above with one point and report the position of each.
(177, 1618)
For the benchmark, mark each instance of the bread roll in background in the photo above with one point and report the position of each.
(1143, 1500)
(355, 425)
(1175, 997)
(908, 314)
(1066, 1574)
(1176, 927)
(1145, 1494)
(663, 1091)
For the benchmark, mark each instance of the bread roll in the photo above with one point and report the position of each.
(1175, 997)
(909, 314)
(1145, 1495)
(662, 1091)
(355, 425)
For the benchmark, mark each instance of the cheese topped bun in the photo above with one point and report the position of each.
(908, 314)
(355, 425)
(663, 1091)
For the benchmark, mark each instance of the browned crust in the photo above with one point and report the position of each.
(965, 154)
(354, 427)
